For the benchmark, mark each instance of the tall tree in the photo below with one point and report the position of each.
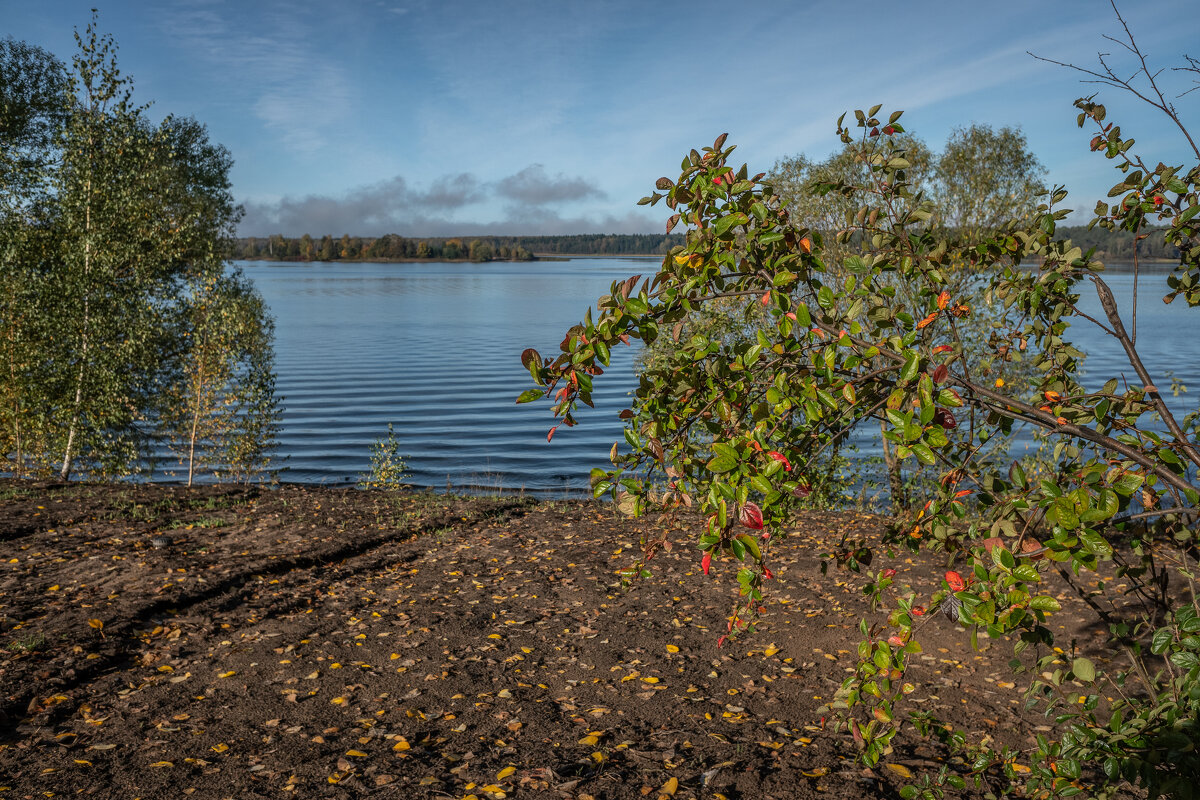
(98, 269)
(985, 177)
(32, 83)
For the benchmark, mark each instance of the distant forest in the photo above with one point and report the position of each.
(1112, 246)
(480, 249)
(1118, 245)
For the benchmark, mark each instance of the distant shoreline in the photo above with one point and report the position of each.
(536, 257)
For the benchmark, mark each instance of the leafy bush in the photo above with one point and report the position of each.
(736, 433)
(388, 469)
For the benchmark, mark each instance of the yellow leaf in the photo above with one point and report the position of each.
(338, 701)
(816, 773)
(591, 740)
(901, 770)
(504, 773)
(97, 624)
(670, 787)
(672, 648)
(85, 762)
(220, 747)
(401, 745)
(649, 680)
(356, 753)
(162, 764)
(227, 674)
(494, 636)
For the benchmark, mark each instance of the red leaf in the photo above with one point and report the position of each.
(530, 355)
(706, 562)
(766, 299)
(942, 348)
(940, 373)
(896, 641)
(889, 573)
(956, 581)
(781, 458)
(767, 574)
(550, 435)
(945, 419)
(992, 542)
(943, 300)
(751, 516)
(925, 322)
(1031, 545)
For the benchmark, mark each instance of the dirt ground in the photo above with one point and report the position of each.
(230, 642)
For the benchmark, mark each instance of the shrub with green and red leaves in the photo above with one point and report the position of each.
(731, 429)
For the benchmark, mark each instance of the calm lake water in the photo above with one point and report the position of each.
(434, 349)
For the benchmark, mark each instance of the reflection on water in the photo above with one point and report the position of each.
(435, 350)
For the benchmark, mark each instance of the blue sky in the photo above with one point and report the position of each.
(554, 116)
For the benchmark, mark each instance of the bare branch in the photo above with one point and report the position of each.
(1154, 95)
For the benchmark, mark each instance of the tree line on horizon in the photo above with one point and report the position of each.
(1114, 245)
(478, 249)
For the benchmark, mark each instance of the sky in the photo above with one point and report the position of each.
(523, 117)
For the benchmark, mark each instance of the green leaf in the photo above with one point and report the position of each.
(924, 454)
(1084, 670)
(725, 223)
(636, 307)
(601, 352)
(762, 484)
(1017, 475)
(825, 298)
(529, 395)
(856, 265)
(1095, 543)
(1027, 573)
(1045, 603)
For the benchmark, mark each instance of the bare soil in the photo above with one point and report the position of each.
(230, 642)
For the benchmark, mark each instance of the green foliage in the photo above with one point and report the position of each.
(388, 469)
(110, 227)
(984, 178)
(222, 412)
(737, 431)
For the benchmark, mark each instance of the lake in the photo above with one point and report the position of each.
(434, 349)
